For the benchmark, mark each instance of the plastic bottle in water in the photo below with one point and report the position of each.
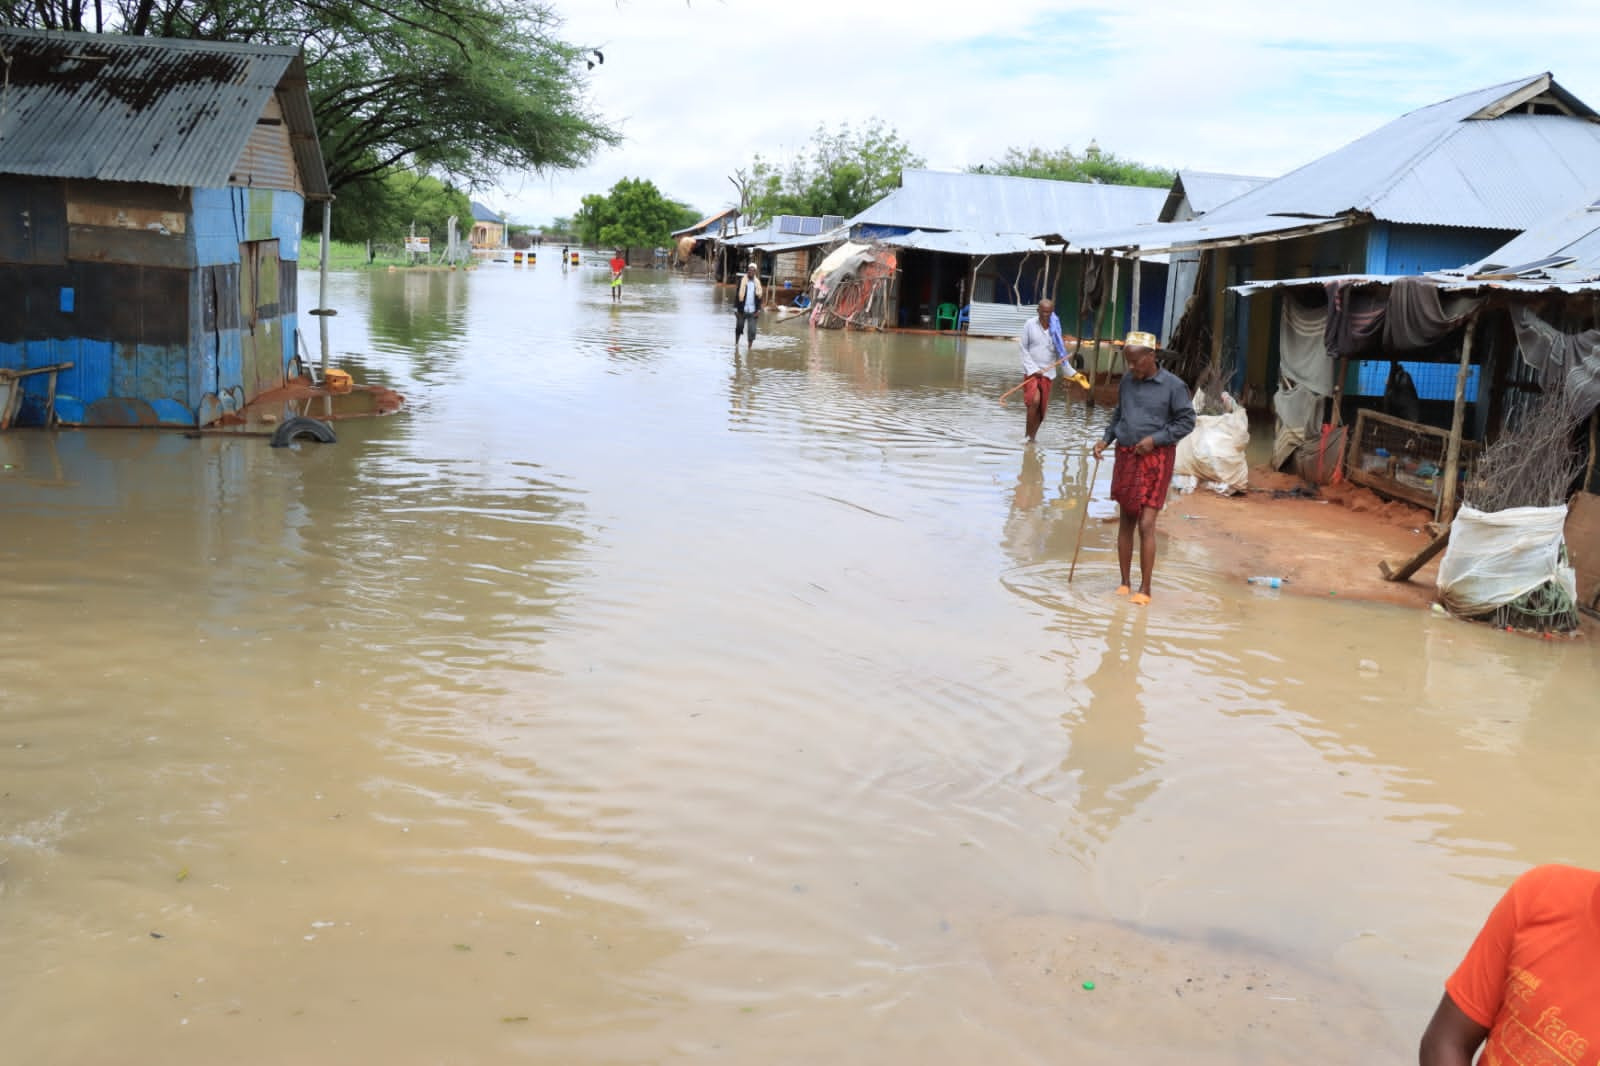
(1270, 582)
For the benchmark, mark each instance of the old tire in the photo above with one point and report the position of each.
(300, 427)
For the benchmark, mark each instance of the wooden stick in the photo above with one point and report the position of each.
(1083, 520)
(1005, 395)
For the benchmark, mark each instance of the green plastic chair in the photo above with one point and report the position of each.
(946, 313)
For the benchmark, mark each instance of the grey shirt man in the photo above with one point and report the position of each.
(1157, 407)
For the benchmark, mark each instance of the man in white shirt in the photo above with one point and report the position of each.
(747, 305)
(1038, 366)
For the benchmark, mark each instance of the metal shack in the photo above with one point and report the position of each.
(151, 201)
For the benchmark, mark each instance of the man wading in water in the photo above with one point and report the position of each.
(1153, 414)
(1039, 358)
(746, 305)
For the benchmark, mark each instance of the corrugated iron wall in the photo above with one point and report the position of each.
(268, 157)
(139, 288)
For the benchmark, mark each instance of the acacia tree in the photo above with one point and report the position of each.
(842, 172)
(462, 88)
(1063, 164)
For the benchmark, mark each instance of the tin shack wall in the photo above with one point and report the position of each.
(225, 220)
(95, 274)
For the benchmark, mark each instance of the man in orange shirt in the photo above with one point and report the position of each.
(1529, 989)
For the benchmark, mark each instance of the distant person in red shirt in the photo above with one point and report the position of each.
(1528, 991)
(618, 264)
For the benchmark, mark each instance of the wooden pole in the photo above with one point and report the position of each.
(1452, 451)
(1133, 314)
(1111, 304)
(1594, 442)
(322, 282)
(1094, 345)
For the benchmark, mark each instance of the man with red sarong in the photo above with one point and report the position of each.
(1153, 414)
(1040, 354)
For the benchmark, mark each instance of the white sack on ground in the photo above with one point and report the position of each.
(1214, 453)
(1497, 556)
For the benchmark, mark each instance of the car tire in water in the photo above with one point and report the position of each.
(300, 426)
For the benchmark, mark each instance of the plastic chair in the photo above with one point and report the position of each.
(946, 313)
(962, 319)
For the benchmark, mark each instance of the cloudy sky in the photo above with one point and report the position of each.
(1243, 86)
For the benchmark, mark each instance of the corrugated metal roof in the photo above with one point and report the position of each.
(1447, 282)
(482, 212)
(1565, 247)
(1180, 236)
(1206, 191)
(168, 112)
(706, 222)
(967, 242)
(994, 203)
(1442, 165)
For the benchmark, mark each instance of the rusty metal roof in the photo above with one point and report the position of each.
(106, 107)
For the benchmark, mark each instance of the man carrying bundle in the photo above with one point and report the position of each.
(1153, 414)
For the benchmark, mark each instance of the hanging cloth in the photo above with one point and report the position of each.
(1417, 318)
(1355, 318)
(1302, 351)
(1572, 359)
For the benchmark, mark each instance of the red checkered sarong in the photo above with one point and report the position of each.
(1036, 390)
(1140, 481)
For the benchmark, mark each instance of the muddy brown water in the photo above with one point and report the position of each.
(629, 700)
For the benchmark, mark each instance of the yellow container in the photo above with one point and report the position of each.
(337, 380)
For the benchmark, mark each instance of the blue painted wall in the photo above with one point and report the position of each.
(1397, 249)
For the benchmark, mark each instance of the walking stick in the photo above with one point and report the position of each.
(1079, 378)
(1084, 520)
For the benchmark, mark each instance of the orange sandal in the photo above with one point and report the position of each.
(1122, 590)
(1139, 599)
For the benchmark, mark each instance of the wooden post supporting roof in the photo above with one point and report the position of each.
(1133, 313)
(1452, 453)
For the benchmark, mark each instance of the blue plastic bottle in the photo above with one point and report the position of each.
(1270, 582)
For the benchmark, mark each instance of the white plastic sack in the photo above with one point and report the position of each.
(1496, 556)
(1214, 453)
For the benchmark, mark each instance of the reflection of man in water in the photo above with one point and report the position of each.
(1028, 525)
(1529, 989)
(1108, 748)
(1153, 413)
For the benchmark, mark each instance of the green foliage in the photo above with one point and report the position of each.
(841, 172)
(463, 88)
(1064, 164)
(383, 208)
(633, 215)
(594, 214)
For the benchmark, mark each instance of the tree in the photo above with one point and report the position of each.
(1064, 164)
(640, 215)
(386, 206)
(633, 215)
(839, 173)
(461, 88)
(593, 215)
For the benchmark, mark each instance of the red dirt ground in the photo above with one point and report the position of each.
(1328, 545)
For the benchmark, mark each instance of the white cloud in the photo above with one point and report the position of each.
(1236, 85)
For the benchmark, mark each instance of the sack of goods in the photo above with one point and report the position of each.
(1214, 453)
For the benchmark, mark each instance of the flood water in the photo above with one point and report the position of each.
(627, 700)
